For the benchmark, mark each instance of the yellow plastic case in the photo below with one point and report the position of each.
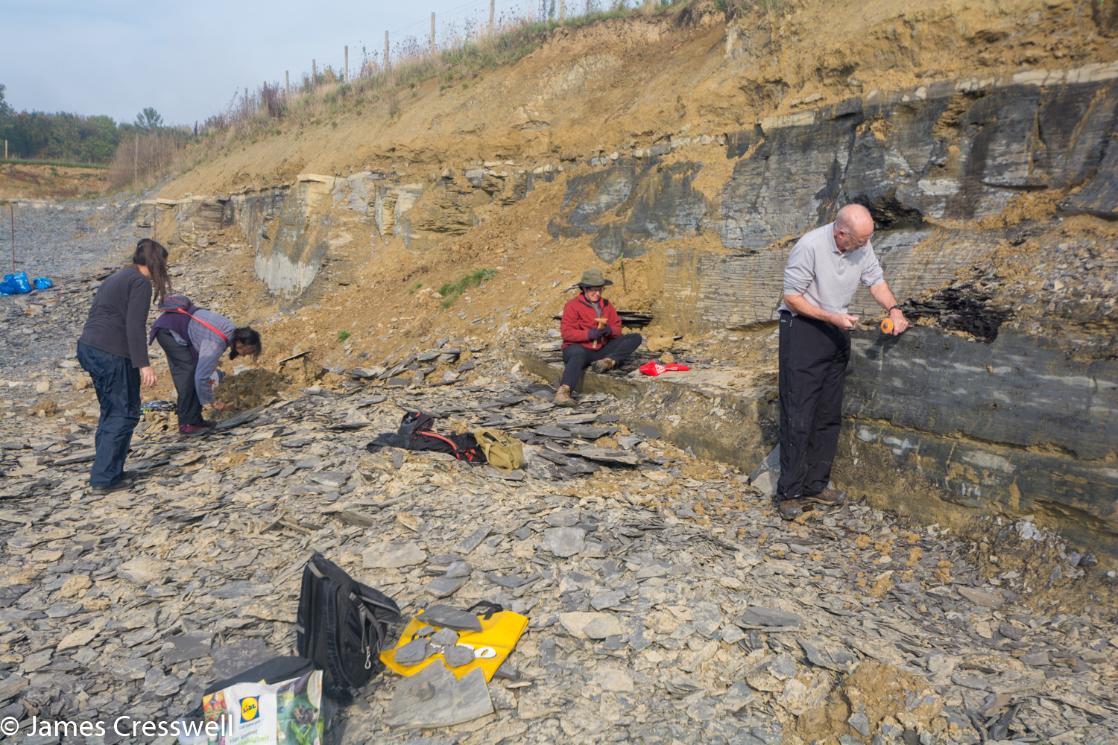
(499, 633)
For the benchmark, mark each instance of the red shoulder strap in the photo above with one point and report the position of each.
(467, 455)
(183, 311)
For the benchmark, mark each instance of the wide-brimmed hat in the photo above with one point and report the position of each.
(593, 278)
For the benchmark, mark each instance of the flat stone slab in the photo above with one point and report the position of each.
(442, 587)
(985, 598)
(444, 616)
(393, 555)
(586, 625)
(187, 647)
(433, 697)
(564, 542)
(769, 619)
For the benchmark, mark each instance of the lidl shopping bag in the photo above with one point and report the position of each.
(288, 712)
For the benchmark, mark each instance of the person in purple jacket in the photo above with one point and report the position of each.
(194, 340)
(112, 350)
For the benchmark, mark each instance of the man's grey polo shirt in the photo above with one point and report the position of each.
(826, 276)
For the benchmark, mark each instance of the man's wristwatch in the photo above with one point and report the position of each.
(892, 308)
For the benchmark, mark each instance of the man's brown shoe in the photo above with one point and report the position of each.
(829, 497)
(790, 509)
(603, 365)
(563, 396)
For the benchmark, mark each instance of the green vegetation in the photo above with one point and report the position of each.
(62, 137)
(451, 290)
(343, 335)
(133, 153)
(415, 288)
(149, 120)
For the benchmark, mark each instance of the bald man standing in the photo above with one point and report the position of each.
(823, 272)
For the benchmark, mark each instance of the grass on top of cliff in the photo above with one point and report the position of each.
(261, 113)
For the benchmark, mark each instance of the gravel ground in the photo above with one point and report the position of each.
(666, 602)
(72, 243)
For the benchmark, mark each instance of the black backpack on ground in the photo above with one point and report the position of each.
(417, 432)
(341, 626)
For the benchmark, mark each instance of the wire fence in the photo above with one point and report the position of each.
(472, 22)
(467, 39)
(478, 33)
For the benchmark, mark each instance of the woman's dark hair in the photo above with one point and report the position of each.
(248, 336)
(152, 255)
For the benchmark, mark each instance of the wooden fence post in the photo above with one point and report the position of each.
(12, 215)
(432, 32)
(314, 74)
(562, 10)
(287, 84)
(492, 14)
(345, 75)
(386, 58)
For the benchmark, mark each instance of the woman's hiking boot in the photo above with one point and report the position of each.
(190, 430)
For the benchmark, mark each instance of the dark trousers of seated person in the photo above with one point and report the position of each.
(182, 363)
(577, 358)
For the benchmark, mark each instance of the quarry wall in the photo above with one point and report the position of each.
(976, 416)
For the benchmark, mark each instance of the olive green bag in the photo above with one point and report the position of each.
(501, 449)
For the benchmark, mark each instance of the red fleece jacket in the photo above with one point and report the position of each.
(578, 320)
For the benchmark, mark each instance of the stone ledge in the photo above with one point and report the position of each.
(911, 441)
(696, 411)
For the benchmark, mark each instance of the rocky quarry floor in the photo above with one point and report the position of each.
(667, 602)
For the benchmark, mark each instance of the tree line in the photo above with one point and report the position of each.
(62, 136)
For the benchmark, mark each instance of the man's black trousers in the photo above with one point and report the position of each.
(182, 364)
(813, 359)
(577, 358)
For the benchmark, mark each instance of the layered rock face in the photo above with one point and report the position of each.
(1012, 427)
(1000, 406)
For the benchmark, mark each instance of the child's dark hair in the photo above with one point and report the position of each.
(248, 336)
(152, 255)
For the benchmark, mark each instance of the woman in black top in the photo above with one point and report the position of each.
(113, 351)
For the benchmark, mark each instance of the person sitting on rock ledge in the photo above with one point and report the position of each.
(592, 335)
(194, 340)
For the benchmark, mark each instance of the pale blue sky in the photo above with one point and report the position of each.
(188, 58)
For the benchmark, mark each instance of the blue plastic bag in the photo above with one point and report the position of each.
(15, 284)
(42, 283)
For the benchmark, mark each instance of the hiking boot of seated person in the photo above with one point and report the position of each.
(829, 497)
(563, 396)
(603, 365)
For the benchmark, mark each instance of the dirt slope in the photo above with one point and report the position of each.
(34, 181)
(636, 80)
(591, 90)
